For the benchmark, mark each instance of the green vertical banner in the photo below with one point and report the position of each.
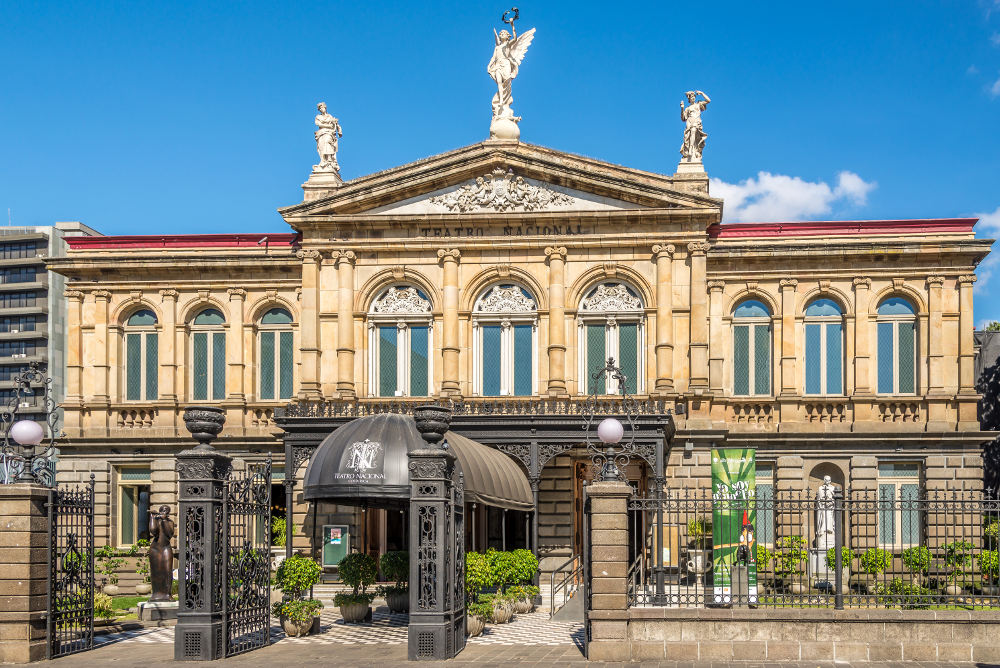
(734, 487)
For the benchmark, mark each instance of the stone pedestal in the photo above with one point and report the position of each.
(23, 572)
(685, 167)
(608, 569)
(158, 611)
(320, 184)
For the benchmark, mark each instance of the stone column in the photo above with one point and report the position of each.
(664, 254)
(968, 398)
(202, 472)
(789, 378)
(235, 367)
(716, 338)
(862, 347)
(556, 256)
(74, 362)
(608, 568)
(168, 347)
(23, 572)
(699, 315)
(345, 325)
(101, 300)
(450, 386)
(937, 400)
(309, 387)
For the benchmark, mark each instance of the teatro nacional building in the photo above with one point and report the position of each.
(498, 278)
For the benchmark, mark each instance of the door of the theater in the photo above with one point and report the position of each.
(384, 531)
(635, 472)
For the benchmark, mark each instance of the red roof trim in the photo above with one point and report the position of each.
(182, 241)
(841, 227)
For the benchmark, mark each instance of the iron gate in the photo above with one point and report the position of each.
(70, 619)
(247, 527)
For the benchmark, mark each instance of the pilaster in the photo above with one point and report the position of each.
(235, 366)
(345, 260)
(450, 386)
(716, 337)
(556, 256)
(168, 348)
(937, 399)
(102, 299)
(863, 389)
(699, 315)
(309, 353)
(968, 398)
(663, 254)
(74, 362)
(789, 379)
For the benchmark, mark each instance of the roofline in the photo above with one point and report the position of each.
(841, 227)
(183, 240)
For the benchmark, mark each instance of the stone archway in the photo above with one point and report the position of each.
(836, 472)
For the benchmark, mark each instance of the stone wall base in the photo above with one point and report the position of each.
(642, 634)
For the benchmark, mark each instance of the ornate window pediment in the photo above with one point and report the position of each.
(401, 301)
(506, 299)
(611, 297)
(501, 191)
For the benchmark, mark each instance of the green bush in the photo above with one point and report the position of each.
(396, 567)
(357, 570)
(991, 531)
(989, 565)
(957, 558)
(917, 559)
(902, 594)
(297, 610)
(477, 575)
(526, 566)
(875, 560)
(764, 557)
(846, 557)
(503, 568)
(296, 574)
(522, 591)
(142, 560)
(700, 531)
(789, 553)
(103, 606)
(109, 560)
(279, 533)
(481, 609)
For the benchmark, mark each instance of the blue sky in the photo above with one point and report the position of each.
(170, 117)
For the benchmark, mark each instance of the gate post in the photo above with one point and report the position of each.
(437, 590)
(201, 540)
(608, 571)
(24, 546)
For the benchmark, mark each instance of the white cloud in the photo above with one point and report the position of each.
(780, 198)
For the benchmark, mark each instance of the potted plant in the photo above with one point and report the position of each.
(789, 555)
(357, 570)
(526, 566)
(874, 562)
(145, 587)
(294, 577)
(917, 560)
(396, 567)
(108, 563)
(279, 539)
(989, 568)
(477, 578)
(103, 608)
(504, 573)
(846, 557)
(957, 559)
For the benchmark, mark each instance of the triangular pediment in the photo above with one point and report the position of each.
(504, 178)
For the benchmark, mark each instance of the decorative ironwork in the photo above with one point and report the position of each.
(427, 558)
(24, 463)
(70, 621)
(194, 556)
(247, 582)
(611, 459)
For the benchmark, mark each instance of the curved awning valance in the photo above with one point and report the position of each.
(365, 461)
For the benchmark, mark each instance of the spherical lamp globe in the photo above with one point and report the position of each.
(27, 432)
(610, 431)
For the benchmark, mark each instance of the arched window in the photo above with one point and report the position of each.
(504, 325)
(208, 352)
(610, 321)
(276, 355)
(751, 349)
(141, 357)
(824, 322)
(399, 343)
(897, 362)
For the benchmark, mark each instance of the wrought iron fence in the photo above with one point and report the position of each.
(898, 549)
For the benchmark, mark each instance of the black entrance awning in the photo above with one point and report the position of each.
(365, 461)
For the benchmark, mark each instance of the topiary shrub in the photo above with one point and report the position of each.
(789, 553)
(989, 565)
(917, 559)
(503, 568)
(957, 558)
(279, 532)
(875, 560)
(526, 566)
(357, 570)
(846, 557)
(763, 558)
(901, 594)
(396, 567)
(297, 610)
(477, 575)
(295, 575)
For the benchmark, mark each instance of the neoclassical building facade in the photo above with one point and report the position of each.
(504, 274)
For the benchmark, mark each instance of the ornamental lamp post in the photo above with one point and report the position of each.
(20, 459)
(610, 431)
(610, 456)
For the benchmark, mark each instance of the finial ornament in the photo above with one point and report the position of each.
(508, 52)
(327, 141)
(694, 134)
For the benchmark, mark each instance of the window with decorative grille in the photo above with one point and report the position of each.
(141, 357)
(896, 350)
(208, 352)
(751, 349)
(504, 328)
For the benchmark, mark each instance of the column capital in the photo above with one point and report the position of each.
(308, 254)
(236, 293)
(862, 282)
(168, 294)
(699, 247)
(659, 250)
(935, 280)
(716, 286)
(101, 294)
(555, 252)
(340, 256)
(75, 295)
(449, 254)
(967, 279)
(788, 283)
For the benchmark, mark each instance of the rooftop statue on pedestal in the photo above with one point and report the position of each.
(508, 53)
(694, 135)
(326, 141)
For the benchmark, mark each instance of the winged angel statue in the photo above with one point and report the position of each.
(508, 53)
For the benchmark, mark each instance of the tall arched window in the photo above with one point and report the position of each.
(611, 325)
(897, 361)
(399, 343)
(276, 355)
(504, 326)
(824, 322)
(208, 352)
(751, 349)
(141, 357)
